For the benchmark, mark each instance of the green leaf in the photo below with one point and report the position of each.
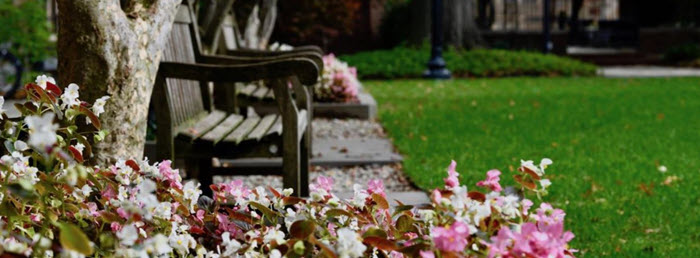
(374, 232)
(72, 238)
(338, 212)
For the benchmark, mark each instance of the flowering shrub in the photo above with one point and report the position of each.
(338, 81)
(54, 204)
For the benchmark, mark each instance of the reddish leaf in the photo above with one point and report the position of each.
(131, 163)
(381, 201)
(525, 182)
(327, 251)
(53, 89)
(301, 229)
(93, 118)
(374, 232)
(529, 172)
(76, 154)
(291, 200)
(338, 212)
(381, 243)
(274, 192)
(414, 250)
(474, 195)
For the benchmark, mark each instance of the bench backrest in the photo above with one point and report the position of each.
(184, 97)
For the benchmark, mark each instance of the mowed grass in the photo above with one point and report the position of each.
(607, 138)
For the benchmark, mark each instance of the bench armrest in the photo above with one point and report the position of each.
(263, 53)
(303, 68)
(241, 60)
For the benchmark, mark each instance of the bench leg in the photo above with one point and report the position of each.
(205, 176)
(305, 164)
(291, 164)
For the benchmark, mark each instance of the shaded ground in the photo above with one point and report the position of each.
(608, 138)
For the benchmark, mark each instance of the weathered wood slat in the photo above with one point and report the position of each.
(243, 130)
(261, 92)
(270, 94)
(248, 89)
(276, 128)
(262, 127)
(223, 129)
(203, 125)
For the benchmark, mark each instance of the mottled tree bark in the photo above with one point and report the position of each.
(113, 47)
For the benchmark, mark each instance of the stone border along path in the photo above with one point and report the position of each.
(397, 185)
(647, 71)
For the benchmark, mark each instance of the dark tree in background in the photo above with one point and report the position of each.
(317, 22)
(410, 23)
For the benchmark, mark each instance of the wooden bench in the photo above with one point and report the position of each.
(190, 129)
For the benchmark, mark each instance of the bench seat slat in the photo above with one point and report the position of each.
(261, 92)
(203, 125)
(262, 127)
(223, 129)
(240, 133)
(248, 89)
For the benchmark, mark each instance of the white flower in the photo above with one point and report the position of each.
(510, 206)
(359, 196)
(124, 172)
(2, 103)
(181, 242)
(274, 234)
(191, 194)
(42, 130)
(158, 245)
(99, 106)
(231, 246)
(42, 79)
(545, 183)
(163, 210)
(275, 254)
(530, 165)
(663, 169)
(70, 96)
(20, 145)
(81, 193)
(80, 147)
(349, 244)
(128, 235)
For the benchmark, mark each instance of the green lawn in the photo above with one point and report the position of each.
(607, 138)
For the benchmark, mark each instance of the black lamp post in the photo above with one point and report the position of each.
(546, 32)
(436, 65)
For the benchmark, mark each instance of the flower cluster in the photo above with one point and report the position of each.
(52, 204)
(338, 82)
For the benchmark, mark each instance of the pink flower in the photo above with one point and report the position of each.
(92, 207)
(115, 226)
(531, 241)
(526, 205)
(452, 180)
(547, 215)
(452, 239)
(109, 193)
(492, 181)
(199, 216)
(35, 217)
(395, 254)
(376, 186)
(171, 175)
(322, 183)
(436, 196)
(122, 213)
(427, 254)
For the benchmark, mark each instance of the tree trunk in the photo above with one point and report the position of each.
(113, 47)
(459, 24)
(260, 15)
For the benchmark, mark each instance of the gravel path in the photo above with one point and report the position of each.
(345, 177)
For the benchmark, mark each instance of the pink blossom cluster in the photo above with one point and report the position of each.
(338, 81)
